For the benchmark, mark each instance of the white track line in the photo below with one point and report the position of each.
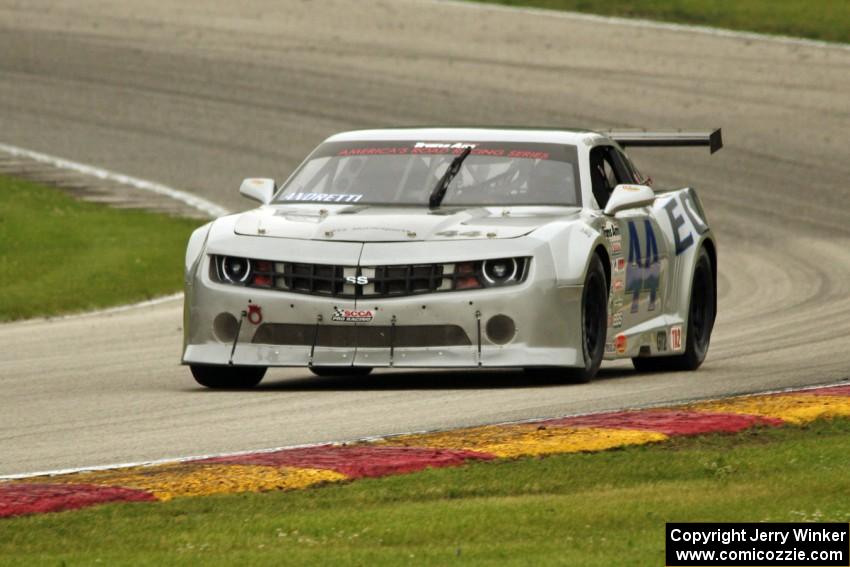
(175, 460)
(641, 23)
(105, 311)
(207, 207)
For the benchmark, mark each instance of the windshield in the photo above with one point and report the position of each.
(406, 173)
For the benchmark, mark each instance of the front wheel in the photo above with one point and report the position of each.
(228, 377)
(701, 314)
(594, 328)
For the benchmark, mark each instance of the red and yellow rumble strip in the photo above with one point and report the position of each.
(290, 469)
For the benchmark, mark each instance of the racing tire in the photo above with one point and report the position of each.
(228, 377)
(702, 310)
(594, 329)
(331, 371)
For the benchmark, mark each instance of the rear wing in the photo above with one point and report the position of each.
(638, 138)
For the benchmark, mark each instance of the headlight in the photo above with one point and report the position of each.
(488, 273)
(500, 272)
(235, 270)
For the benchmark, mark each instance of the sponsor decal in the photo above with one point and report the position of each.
(618, 285)
(436, 148)
(617, 303)
(611, 230)
(526, 154)
(619, 264)
(389, 151)
(676, 337)
(661, 341)
(324, 197)
(677, 221)
(453, 233)
(618, 319)
(518, 150)
(445, 145)
(612, 233)
(692, 211)
(353, 315)
(458, 147)
(620, 343)
(609, 347)
(682, 224)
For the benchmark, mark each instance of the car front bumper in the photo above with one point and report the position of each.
(546, 318)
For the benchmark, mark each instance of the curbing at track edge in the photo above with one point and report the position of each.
(303, 467)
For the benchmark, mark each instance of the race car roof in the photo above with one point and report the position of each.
(573, 137)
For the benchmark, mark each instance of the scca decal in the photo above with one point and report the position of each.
(642, 272)
(352, 316)
(677, 221)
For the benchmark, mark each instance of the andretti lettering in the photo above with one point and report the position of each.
(324, 197)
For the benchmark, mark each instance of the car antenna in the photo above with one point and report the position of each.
(443, 184)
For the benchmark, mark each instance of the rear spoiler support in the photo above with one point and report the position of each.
(637, 138)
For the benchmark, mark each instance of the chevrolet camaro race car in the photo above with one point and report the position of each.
(544, 250)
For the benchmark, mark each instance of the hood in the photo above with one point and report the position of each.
(364, 223)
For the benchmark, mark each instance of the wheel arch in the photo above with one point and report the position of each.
(711, 248)
(572, 247)
(686, 280)
(602, 252)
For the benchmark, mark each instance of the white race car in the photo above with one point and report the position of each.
(544, 250)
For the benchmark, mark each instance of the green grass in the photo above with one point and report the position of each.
(827, 20)
(60, 255)
(580, 509)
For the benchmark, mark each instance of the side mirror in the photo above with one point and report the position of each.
(629, 197)
(258, 188)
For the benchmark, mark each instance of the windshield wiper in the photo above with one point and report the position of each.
(443, 185)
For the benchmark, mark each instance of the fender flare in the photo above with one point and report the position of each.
(194, 250)
(572, 249)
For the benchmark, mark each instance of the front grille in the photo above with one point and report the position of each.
(353, 282)
(331, 280)
(407, 280)
(364, 336)
(320, 279)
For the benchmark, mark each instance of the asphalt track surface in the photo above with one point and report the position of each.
(199, 96)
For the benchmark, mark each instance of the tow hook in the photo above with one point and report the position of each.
(255, 314)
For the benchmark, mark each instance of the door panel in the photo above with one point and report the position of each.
(639, 270)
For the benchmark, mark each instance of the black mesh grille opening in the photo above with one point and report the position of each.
(371, 336)
(408, 280)
(380, 336)
(293, 334)
(313, 278)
